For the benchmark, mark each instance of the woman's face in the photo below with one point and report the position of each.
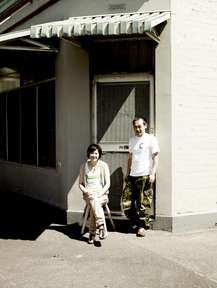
(94, 156)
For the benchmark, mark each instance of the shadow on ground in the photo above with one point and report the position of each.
(73, 231)
(25, 218)
(22, 217)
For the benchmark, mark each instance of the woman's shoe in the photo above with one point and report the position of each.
(91, 238)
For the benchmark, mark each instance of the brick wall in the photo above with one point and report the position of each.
(194, 96)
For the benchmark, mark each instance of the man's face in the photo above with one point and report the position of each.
(139, 127)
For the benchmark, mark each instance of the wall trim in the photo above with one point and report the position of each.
(186, 223)
(178, 224)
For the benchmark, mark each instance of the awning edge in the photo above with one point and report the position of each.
(117, 24)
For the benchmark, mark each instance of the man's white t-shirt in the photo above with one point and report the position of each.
(142, 149)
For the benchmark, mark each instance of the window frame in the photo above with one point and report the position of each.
(36, 87)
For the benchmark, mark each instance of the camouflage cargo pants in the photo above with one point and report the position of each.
(137, 201)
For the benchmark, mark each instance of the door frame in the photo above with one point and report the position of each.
(109, 78)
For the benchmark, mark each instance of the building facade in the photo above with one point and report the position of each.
(73, 73)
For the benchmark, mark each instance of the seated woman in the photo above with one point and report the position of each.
(94, 182)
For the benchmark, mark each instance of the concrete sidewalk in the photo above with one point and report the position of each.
(59, 258)
(37, 253)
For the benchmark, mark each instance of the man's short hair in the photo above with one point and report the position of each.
(144, 120)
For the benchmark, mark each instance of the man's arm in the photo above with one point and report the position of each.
(155, 158)
(129, 164)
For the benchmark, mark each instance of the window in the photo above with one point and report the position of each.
(8, 7)
(27, 122)
(46, 125)
(13, 126)
(28, 126)
(3, 152)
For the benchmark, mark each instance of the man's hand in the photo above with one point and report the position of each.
(151, 178)
(126, 178)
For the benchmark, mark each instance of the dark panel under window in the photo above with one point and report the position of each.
(46, 125)
(3, 150)
(123, 56)
(13, 117)
(28, 126)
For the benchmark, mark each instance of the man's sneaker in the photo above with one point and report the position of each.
(102, 233)
(141, 232)
(91, 239)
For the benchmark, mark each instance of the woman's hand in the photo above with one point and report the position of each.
(100, 193)
(88, 193)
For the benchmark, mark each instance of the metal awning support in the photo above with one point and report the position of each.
(24, 48)
(7, 38)
(35, 43)
(14, 35)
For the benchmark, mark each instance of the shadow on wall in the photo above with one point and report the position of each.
(25, 218)
(116, 190)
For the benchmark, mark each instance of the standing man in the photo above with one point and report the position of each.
(137, 198)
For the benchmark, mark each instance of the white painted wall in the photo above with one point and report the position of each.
(164, 183)
(194, 94)
(73, 120)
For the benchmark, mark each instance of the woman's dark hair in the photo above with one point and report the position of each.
(93, 147)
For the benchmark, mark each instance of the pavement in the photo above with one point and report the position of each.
(36, 252)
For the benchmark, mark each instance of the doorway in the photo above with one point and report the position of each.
(116, 101)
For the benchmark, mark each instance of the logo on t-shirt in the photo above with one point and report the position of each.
(141, 145)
